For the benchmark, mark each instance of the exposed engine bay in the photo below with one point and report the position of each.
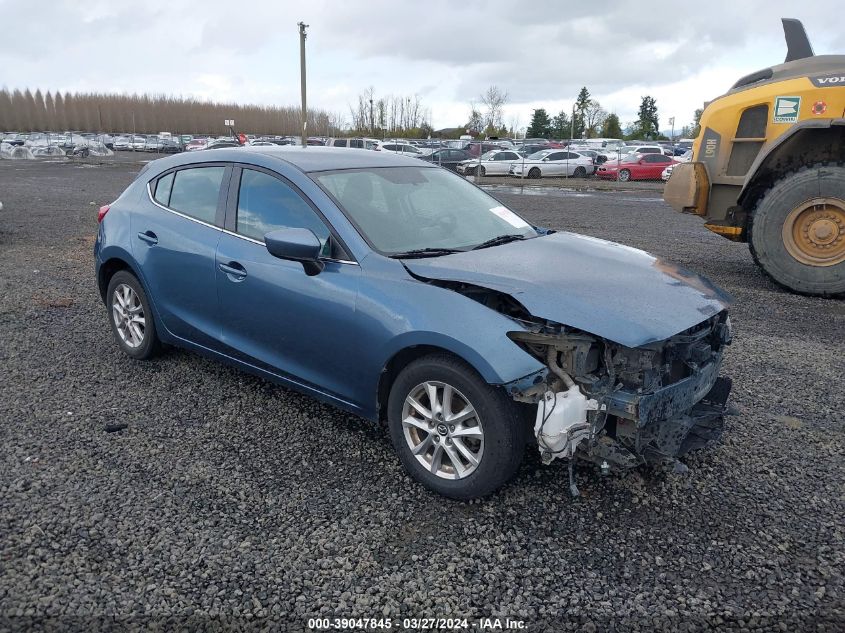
(621, 407)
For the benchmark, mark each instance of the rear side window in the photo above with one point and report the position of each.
(195, 192)
(163, 187)
(340, 142)
(357, 143)
(266, 203)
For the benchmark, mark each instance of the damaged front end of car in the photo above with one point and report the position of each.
(620, 407)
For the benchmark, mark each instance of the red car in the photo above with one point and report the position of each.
(635, 167)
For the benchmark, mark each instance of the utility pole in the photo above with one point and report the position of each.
(372, 120)
(672, 123)
(572, 133)
(302, 27)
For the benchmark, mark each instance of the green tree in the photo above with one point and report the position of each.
(611, 127)
(540, 126)
(696, 126)
(581, 105)
(561, 125)
(648, 124)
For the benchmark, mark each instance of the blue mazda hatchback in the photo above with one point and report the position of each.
(397, 290)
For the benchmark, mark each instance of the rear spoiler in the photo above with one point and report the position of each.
(797, 43)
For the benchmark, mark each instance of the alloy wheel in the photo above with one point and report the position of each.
(443, 430)
(128, 315)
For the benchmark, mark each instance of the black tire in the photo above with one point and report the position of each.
(504, 427)
(580, 172)
(624, 175)
(534, 172)
(482, 172)
(765, 231)
(149, 345)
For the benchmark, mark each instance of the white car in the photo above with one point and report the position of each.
(667, 173)
(396, 147)
(553, 162)
(138, 143)
(496, 162)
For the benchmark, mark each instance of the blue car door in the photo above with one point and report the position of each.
(273, 314)
(174, 239)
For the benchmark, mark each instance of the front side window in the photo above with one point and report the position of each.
(266, 204)
(195, 192)
(340, 142)
(399, 209)
(356, 143)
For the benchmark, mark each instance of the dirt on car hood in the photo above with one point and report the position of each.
(613, 291)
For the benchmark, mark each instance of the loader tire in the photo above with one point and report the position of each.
(797, 231)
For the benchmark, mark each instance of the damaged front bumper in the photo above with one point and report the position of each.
(620, 407)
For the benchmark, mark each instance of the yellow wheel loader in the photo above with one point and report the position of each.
(768, 168)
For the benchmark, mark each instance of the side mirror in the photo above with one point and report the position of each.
(298, 245)
(642, 161)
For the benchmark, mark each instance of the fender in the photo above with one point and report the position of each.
(772, 150)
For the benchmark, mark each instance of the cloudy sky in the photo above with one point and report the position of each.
(540, 52)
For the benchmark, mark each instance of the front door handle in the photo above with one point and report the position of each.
(235, 271)
(149, 237)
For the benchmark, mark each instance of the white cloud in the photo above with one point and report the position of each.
(446, 52)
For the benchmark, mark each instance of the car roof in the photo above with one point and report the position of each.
(309, 159)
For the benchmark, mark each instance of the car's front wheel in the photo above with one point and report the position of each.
(130, 316)
(624, 175)
(454, 433)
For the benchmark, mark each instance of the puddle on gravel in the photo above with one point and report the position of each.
(567, 193)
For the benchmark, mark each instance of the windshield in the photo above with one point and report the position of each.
(399, 209)
(631, 158)
(489, 155)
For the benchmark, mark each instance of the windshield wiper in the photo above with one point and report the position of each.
(424, 252)
(499, 239)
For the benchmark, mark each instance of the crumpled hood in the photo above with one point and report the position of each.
(613, 291)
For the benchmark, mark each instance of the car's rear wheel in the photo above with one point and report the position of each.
(130, 316)
(580, 172)
(624, 175)
(534, 172)
(482, 172)
(454, 433)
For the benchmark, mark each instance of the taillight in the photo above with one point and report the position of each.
(102, 212)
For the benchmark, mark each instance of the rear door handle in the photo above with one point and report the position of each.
(149, 237)
(235, 271)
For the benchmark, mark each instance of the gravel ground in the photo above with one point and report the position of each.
(232, 502)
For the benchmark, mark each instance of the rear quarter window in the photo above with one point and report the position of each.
(195, 192)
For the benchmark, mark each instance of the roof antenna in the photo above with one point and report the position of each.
(797, 43)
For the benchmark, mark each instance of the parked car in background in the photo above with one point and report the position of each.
(444, 313)
(353, 143)
(222, 143)
(643, 149)
(398, 148)
(667, 173)
(494, 163)
(195, 144)
(446, 157)
(553, 162)
(636, 167)
(153, 144)
(171, 146)
(138, 143)
(122, 143)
